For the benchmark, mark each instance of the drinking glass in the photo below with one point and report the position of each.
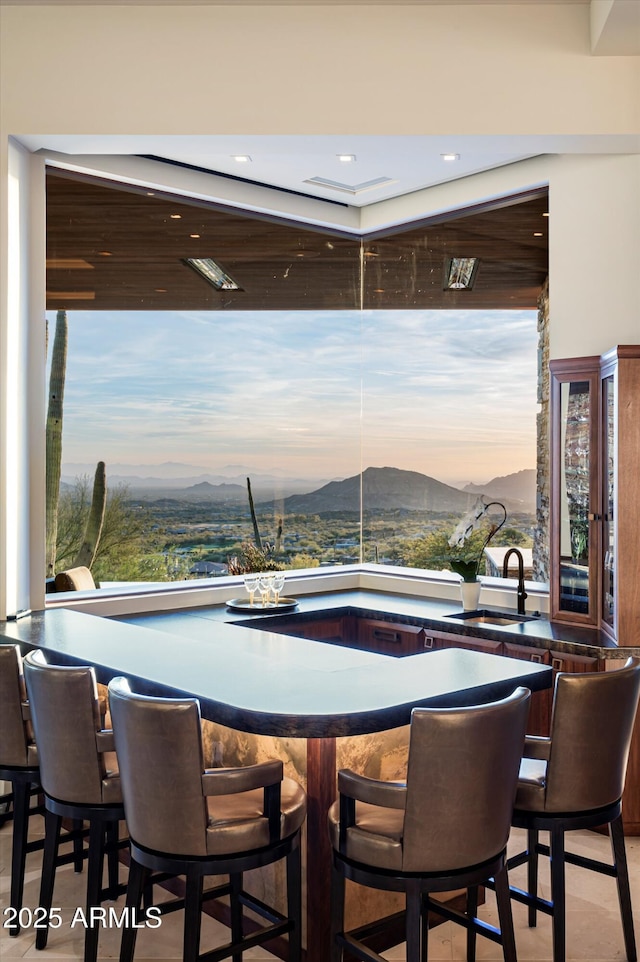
(251, 583)
(265, 582)
(278, 585)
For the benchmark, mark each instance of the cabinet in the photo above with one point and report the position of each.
(389, 638)
(595, 497)
(540, 706)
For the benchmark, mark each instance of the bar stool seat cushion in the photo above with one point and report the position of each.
(375, 839)
(236, 823)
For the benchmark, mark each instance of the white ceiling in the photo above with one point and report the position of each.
(397, 165)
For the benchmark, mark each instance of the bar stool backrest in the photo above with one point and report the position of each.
(461, 783)
(159, 747)
(14, 729)
(591, 728)
(66, 717)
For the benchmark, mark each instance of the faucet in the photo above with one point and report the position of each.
(522, 594)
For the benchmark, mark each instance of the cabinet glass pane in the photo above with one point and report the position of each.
(608, 534)
(574, 496)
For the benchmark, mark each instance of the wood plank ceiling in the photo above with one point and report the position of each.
(111, 247)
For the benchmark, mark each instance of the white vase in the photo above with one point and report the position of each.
(470, 591)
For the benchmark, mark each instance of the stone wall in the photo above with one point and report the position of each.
(541, 533)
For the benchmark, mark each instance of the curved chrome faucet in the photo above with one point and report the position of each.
(522, 594)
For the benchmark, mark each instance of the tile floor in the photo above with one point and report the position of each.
(593, 924)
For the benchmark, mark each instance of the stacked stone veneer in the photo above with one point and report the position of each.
(541, 532)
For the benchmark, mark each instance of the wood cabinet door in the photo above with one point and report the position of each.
(540, 706)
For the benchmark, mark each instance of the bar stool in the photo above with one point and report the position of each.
(574, 780)
(19, 766)
(446, 829)
(185, 821)
(79, 778)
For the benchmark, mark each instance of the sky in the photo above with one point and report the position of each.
(305, 394)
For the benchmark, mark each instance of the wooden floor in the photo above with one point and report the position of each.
(594, 932)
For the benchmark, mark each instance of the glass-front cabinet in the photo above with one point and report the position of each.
(595, 485)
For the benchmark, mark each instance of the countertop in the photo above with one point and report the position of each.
(429, 613)
(267, 683)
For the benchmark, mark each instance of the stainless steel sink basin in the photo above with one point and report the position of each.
(483, 616)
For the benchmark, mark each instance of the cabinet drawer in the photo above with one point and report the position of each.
(387, 638)
(559, 661)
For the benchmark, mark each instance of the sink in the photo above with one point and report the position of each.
(483, 616)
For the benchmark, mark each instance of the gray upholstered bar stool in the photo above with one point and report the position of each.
(185, 821)
(574, 780)
(19, 766)
(446, 829)
(78, 772)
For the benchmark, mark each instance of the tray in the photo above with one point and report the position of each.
(242, 604)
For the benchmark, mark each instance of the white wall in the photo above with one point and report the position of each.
(594, 254)
(394, 69)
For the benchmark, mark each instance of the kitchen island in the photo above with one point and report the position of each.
(318, 703)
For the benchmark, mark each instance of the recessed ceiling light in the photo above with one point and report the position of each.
(346, 158)
(242, 158)
(161, 290)
(105, 253)
(151, 193)
(460, 273)
(537, 233)
(546, 214)
(212, 273)
(450, 157)
(195, 236)
(175, 216)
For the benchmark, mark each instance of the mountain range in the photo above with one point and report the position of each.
(392, 488)
(384, 488)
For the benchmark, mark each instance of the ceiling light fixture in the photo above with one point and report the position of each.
(460, 273)
(175, 216)
(194, 236)
(450, 157)
(346, 158)
(242, 158)
(212, 273)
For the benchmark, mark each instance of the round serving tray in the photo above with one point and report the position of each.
(242, 604)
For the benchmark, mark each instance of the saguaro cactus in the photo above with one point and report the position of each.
(54, 437)
(93, 529)
(254, 520)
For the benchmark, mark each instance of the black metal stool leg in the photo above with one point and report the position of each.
(52, 824)
(112, 858)
(21, 796)
(618, 848)
(532, 873)
(337, 912)
(236, 914)
(78, 848)
(94, 887)
(472, 911)
(192, 917)
(413, 923)
(135, 886)
(505, 915)
(294, 902)
(558, 892)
